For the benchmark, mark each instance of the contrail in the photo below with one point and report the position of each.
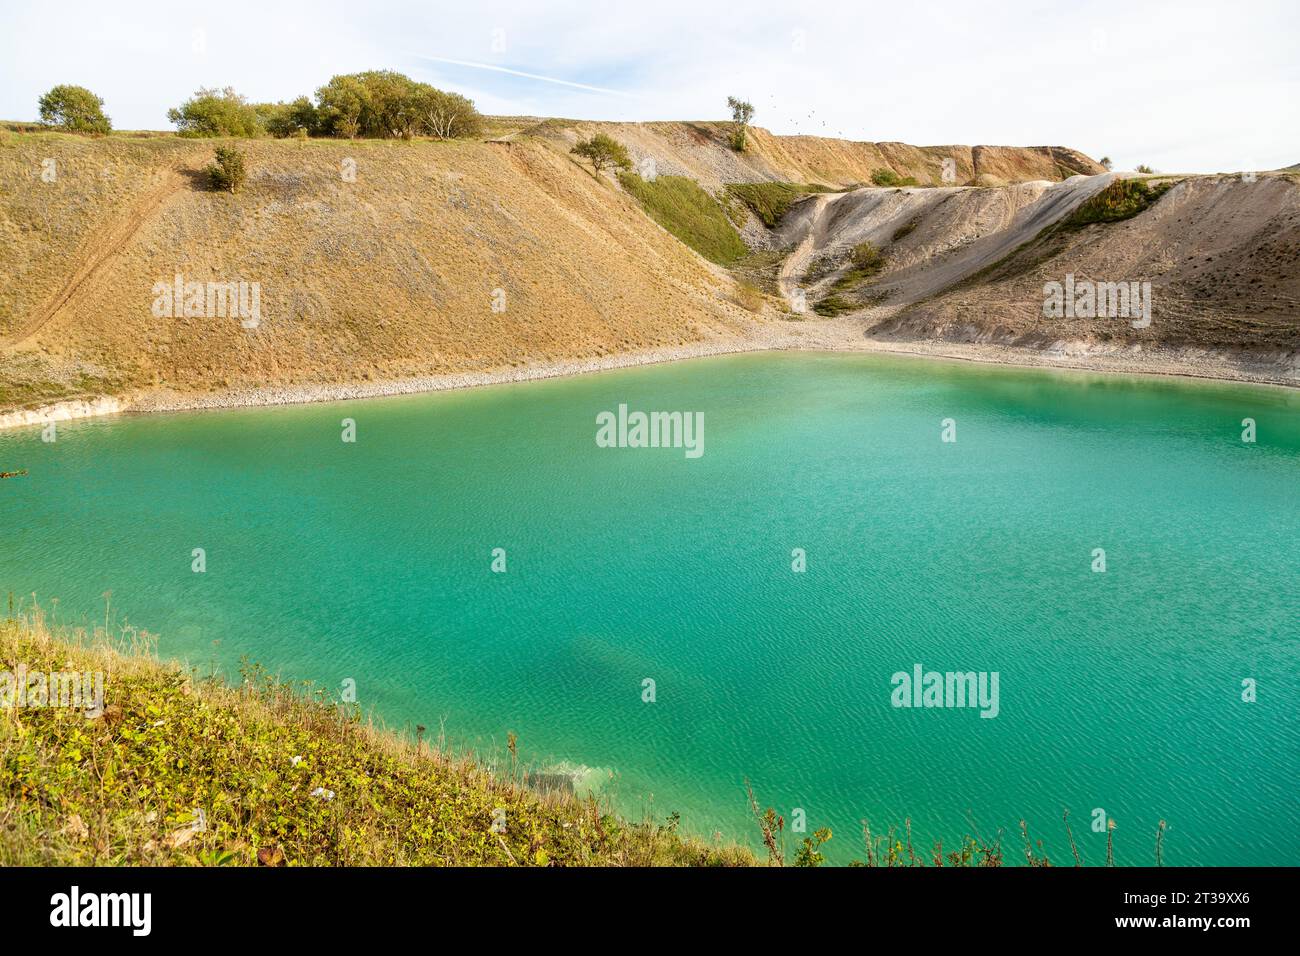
(530, 76)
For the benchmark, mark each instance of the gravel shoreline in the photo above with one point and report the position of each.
(826, 335)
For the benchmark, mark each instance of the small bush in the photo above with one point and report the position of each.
(227, 173)
(1122, 199)
(833, 305)
(603, 152)
(212, 112)
(867, 258)
(887, 177)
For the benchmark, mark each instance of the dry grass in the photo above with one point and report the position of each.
(389, 276)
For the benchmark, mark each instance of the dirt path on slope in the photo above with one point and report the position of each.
(797, 262)
(103, 245)
(818, 231)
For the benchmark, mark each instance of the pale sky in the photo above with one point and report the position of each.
(1182, 86)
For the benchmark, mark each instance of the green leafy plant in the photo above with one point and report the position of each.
(282, 120)
(227, 174)
(887, 177)
(603, 152)
(75, 109)
(259, 755)
(741, 113)
(833, 305)
(213, 112)
(809, 853)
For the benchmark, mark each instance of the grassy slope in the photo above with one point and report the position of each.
(122, 788)
(689, 213)
(771, 201)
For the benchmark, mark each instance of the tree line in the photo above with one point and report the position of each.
(375, 104)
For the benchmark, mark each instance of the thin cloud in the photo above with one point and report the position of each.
(529, 76)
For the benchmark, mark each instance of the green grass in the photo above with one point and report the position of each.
(1122, 199)
(865, 263)
(123, 788)
(771, 201)
(887, 177)
(833, 305)
(689, 213)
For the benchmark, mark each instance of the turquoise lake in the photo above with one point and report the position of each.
(372, 561)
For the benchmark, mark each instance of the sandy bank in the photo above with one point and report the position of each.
(843, 335)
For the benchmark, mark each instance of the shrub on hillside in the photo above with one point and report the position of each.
(865, 257)
(905, 230)
(382, 104)
(603, 152)
(887, 177)
(75, 109)
(1122, 199)
(832, 306)
(213, 112)
(227, 173)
